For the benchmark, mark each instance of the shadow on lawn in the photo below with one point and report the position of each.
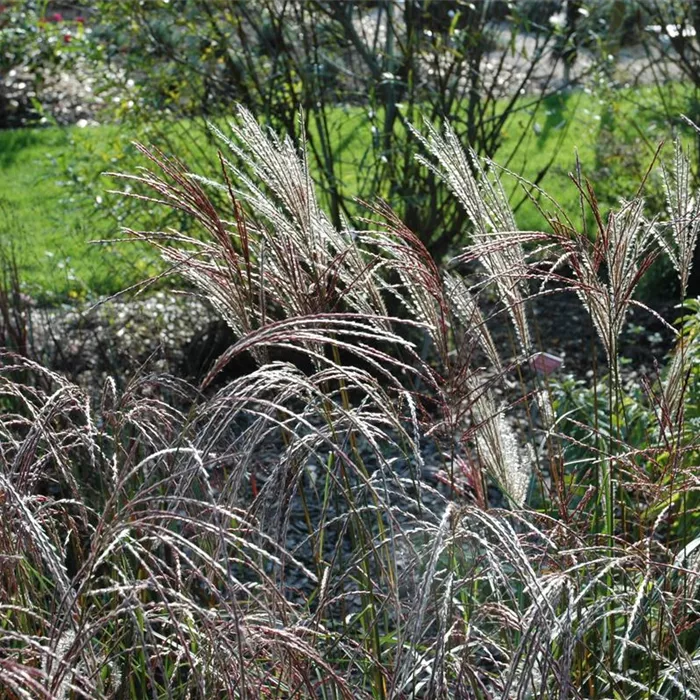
(13, 142)
(555, 107)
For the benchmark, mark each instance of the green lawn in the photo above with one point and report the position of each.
(49, 213)
(52, 203)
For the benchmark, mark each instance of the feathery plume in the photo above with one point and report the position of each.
(494, 235)
(681, 231)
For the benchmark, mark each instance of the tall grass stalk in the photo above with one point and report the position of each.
(355, 518)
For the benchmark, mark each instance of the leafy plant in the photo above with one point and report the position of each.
(35, 45)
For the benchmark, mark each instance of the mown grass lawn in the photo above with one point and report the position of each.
(54, 201)
(48, 215)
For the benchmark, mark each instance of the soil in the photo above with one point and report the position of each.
(181, 335)
(562, 327)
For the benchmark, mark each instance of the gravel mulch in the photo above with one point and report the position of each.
(160, 332)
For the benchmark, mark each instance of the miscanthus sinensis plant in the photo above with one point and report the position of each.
(284, 535)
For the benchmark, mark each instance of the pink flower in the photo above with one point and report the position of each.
(80, 20)
(56, 17)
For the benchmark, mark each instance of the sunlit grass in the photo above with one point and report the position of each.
(54, 198)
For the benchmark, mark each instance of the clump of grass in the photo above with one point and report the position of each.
(283, 536)
(15, 316)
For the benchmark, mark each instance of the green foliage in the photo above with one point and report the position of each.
(586, 405)
(643, 421)
(39, 45)
(56, 201)
(31, 38)
(690, 338)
